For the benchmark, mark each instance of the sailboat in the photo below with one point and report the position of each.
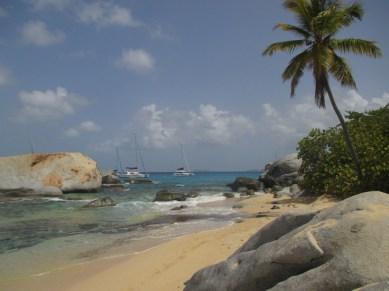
(133, 174)
(183, 171)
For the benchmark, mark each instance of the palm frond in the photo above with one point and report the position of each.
(356, 46)
(284, 46)
(341, 71)
(302, 9)
(293, 28)
(295, 70)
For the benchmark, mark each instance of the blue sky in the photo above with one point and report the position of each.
(78, 75)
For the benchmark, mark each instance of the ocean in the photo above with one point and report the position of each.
(38, 236)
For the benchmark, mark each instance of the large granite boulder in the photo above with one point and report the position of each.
(48, 174)
(344, 247)
(284, 172)
(166, 195)
(244, 182)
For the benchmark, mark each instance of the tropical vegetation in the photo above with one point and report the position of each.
(327, 168)
(318, 24)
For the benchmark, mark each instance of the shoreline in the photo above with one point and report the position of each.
(167, 264)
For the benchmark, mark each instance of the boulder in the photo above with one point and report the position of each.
(46, 191)
(166, 195)
(229, 195)
(181, 207)
(100, 202)
(284, 172)
(243, 182)
(110, 179)
(34, 174)
(344, 247)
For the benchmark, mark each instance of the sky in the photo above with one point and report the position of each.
(89, 75)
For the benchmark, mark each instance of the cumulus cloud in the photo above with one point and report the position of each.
(37, 33)
(49, 104)
(106, 13)
(165, 127)
(83, 127)
(295, 121)
(5, 76)
(50, 4)
(137, 60)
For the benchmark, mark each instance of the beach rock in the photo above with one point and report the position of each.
(243, 182)
(228, 195)
(34, 174)
(380, 286)
(100, 202)
(110, 179)
(165, 195)
(179, 208)
(344, 247)
(248, 192)
(46, 191)
(294, 189)
(284, 172)
(192, 194)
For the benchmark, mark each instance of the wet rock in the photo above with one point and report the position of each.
(181, 207)
(229, 195)
(166, 195)
(100, 202)
(110, 179)
(243, 182)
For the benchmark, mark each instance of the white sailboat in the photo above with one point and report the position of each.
(183, 171)
(133, 174)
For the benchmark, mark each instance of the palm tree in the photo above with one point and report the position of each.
(319, 21)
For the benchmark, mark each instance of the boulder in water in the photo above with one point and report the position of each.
(244, 182)
(100, 202)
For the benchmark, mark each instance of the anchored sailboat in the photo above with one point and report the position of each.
(133, 174)
(183, 171)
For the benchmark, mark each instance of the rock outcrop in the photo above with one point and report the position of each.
(344, 247)
(48, 174)
(110, 179)
(100, 202)
(247, 183)
(166, 195)
(283, 172)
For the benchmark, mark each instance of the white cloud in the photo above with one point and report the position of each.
(137, 60)
(85, 126)
(295, 121)
(106, 13)
(49, 104)
(165, 127)
(37, 33)
(50, 4)
(5, 76)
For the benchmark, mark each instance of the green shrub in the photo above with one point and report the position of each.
(327, 166)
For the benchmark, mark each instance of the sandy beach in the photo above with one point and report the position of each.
(168, 265)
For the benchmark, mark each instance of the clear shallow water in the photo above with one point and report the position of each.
(43, 234)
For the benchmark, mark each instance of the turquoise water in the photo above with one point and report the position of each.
(51, 232)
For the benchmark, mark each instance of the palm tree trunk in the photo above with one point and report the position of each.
(346, 133)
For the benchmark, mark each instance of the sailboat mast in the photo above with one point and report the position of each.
(119, 163)
(186, 165)
(138, 153)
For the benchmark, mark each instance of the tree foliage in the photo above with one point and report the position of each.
(328, 168)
